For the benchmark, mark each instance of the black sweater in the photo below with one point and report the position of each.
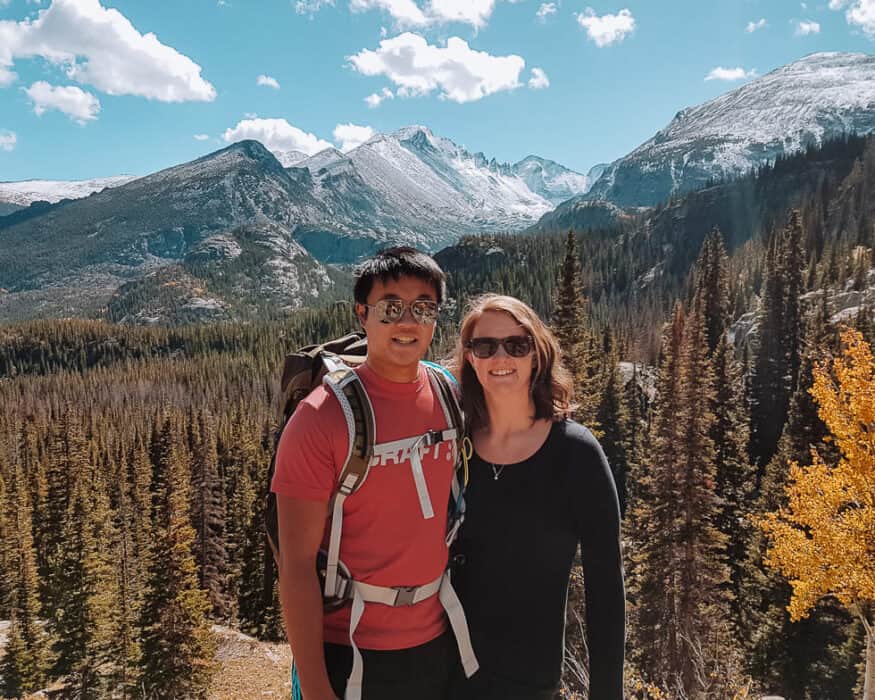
(514, 556)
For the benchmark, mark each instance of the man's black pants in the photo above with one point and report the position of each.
(418, 673)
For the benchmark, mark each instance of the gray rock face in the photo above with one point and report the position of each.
(555, 182)
(819, 97)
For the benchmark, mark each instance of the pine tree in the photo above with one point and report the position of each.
(208, 515)
(131, 582)
(702, 578)
(776, 364)
(7, 582)
(652, 523)
(242, 460)
(85, 624)
(177, 643)
(613, 420)
(680, 578)
(729, 429)
(571, 326)
(711, 288)
(25, 665)
(260, 613)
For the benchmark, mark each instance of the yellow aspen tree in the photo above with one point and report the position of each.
(823, 540)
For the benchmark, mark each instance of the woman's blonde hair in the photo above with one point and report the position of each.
(551, 384)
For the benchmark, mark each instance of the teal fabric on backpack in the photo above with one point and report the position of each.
(435, 365)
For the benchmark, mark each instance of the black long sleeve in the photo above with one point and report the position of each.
(518, 543)
(599, 530)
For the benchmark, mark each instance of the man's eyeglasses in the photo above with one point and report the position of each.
(392, 310)
(514, 345)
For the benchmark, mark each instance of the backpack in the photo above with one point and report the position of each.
(332, 364)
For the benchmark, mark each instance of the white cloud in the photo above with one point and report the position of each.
(860, 13)
(267, 81)
(7, 77)
(805, 27)
(546, 9)
(276, 135)
(418, 68)
(77, 104)
(607, 29)
(250, 115)
(201, 137)
(405, 12)
(100, 47)
(730, 74)
(754, 26)
(350, 135)
(539, 79)
(311, 7)
(376, 98)
(408, 13)
(473, 12)
(8, 139)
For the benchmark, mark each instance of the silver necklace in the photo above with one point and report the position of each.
(496, 470)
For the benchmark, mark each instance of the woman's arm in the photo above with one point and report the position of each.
(599, 521)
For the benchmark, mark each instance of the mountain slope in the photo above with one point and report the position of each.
(555, 182)
(806, 102)
(72, 258)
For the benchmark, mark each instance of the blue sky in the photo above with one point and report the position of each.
(92, 88)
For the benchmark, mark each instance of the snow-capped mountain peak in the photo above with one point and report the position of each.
(290, 158)
(431, 190)
(24, 192)
(820, 96)
(553, 181)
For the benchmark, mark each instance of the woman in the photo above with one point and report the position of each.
(539, 485)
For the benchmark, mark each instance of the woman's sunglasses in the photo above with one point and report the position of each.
(392, 310)
(514, 346)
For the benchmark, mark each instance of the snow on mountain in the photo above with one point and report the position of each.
(323, 159)
(26, 191)
(430, 190)
(820, 96)
(552, 181)
(290, 158)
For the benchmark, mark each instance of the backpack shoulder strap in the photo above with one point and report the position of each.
(347, 387)
(358, 413)
(447, 393)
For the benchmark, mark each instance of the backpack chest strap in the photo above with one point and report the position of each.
(429, 439)
(411, 448)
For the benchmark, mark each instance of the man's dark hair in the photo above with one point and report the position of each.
(395, 263)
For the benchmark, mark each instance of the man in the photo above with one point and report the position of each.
(392, 536)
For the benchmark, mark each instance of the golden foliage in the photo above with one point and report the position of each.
(823, 540)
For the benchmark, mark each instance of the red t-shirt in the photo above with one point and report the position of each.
(385, 539)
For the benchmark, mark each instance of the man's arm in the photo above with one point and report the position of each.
(301, 524)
